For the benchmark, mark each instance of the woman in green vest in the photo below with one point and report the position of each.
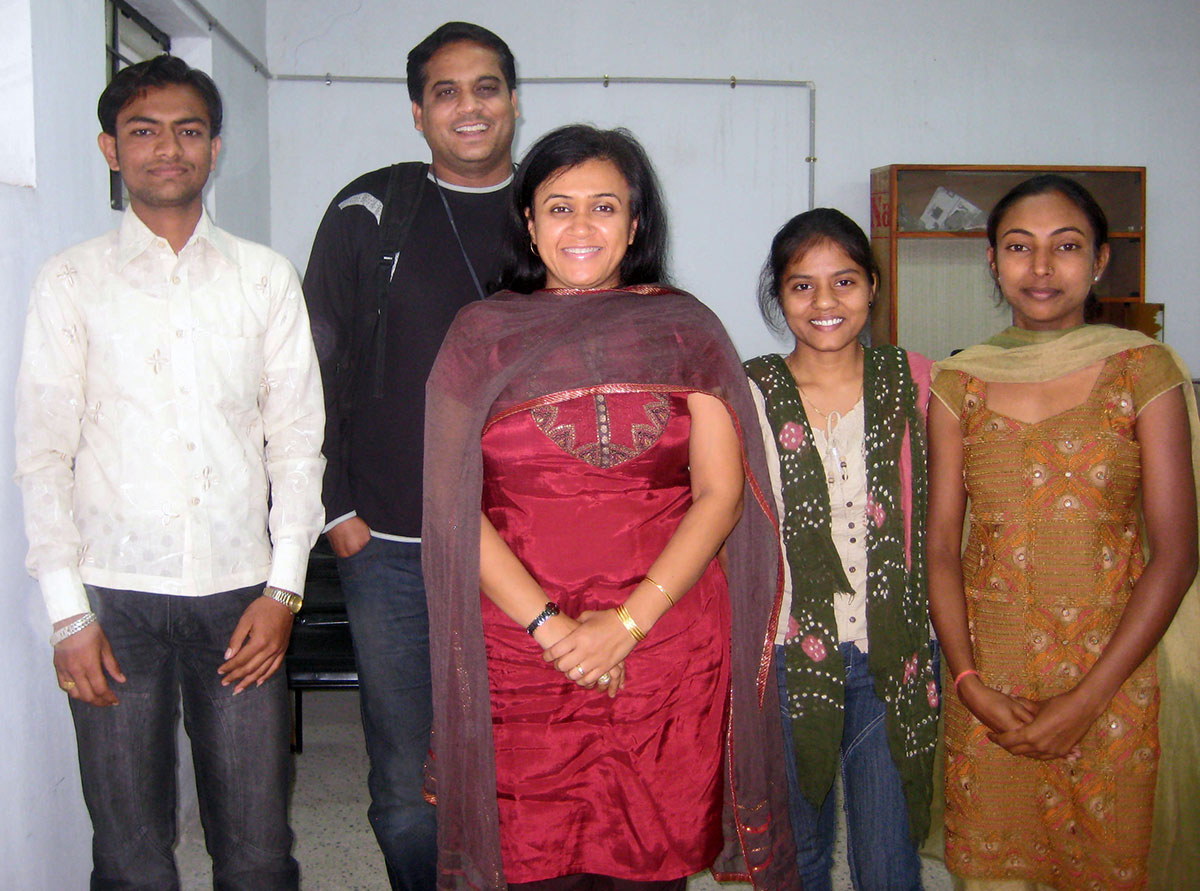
(844, 428)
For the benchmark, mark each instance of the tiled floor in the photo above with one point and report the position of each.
(334, 843)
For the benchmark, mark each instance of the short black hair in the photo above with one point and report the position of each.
(161, 71)
(1056, 183)
(456, 32)
(821, 225)
(645, 262)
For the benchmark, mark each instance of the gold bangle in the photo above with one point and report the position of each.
(670, 599)
(631, 626)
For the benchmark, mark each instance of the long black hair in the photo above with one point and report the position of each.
(645, 261)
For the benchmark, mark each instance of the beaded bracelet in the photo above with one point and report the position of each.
(550, 611)
(631, 626)
(670, 599)
(74, 628)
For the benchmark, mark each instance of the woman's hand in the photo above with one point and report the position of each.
(1060, 723)
(997, 711)
(596, 647)
(553, 630)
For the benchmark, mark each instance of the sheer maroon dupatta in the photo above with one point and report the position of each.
(501, 353)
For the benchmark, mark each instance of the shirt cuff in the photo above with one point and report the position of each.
(62, 589)
(289, 565)
(342, 519)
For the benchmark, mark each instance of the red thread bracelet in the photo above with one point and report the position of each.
(963, 674)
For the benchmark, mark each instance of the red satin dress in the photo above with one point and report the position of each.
(586, 490)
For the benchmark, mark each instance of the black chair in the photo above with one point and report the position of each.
(321, 653)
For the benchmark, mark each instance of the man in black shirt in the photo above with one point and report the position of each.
(375, 358)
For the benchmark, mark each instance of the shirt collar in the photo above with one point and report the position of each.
(134, 238)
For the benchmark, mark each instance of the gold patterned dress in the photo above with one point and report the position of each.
(1053, 553)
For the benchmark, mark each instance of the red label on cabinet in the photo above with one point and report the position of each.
(881, 211)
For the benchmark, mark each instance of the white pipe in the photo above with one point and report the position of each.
(214, 24)
(605, 81)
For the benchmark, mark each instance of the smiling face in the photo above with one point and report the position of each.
(581, 225)
(467, 114)
(163, 149)
(826, 298)
(1045, 261)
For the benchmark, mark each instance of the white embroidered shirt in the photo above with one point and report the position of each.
(848, 516)
(161, 399)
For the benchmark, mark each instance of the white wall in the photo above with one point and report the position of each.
(44, 832)
(45, 835)
(942, 81)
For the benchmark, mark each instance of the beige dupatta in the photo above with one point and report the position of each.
(1020, 356)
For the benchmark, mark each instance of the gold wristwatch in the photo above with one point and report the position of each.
(287, 598)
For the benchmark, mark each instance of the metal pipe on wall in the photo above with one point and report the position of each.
(605, 80)
(214, 24)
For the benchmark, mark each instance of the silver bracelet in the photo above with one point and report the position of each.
(289, 599)
(74, 628)
(550, 611)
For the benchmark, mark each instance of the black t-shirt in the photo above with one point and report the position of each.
(384, 437)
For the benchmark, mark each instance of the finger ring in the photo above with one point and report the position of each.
(605, 678)
(579, 668)
(68, 685)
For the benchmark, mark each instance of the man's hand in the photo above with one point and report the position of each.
(349, 537)
(80, 662)
(258, 644)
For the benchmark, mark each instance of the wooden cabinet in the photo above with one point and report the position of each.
(927, 230)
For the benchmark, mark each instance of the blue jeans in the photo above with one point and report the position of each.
(881, 854)
(166, 645)
(389, 622)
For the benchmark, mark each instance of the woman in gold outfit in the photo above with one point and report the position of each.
(1070, 710)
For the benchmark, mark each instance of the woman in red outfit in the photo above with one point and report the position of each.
(593, 413)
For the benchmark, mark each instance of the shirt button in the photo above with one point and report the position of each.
(1068, 474)
(195, 501)
(849, 504)
(184, 390)
(851, 525)
(854, 618)
(853, 569)
(174, 279)
(853, 540)
(179, 332)
(191, 447)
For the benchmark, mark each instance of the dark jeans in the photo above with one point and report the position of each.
(881, 854)
(166, 645)
(389, 621)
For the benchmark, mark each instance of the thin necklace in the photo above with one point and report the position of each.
(832, 419)
(824, 414)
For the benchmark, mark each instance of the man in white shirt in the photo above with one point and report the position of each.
(169, 428)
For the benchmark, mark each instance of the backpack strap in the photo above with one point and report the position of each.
(400, 202)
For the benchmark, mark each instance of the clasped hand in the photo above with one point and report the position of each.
(1044, 730)
(588, 648)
